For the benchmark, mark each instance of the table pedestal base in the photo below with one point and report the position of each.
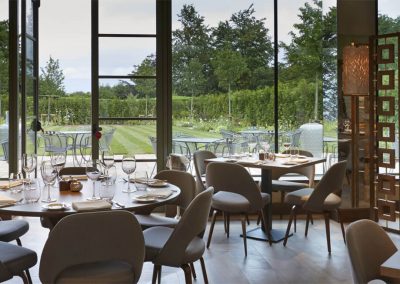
(260, 235)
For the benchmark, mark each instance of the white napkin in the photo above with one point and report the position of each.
(91, 205)
(160, 193)
(8, 185)
(6, 200)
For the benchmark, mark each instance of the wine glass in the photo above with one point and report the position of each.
(58, 161)
(128, 166)
(93, 172)
(107, 159)
(29, 163)
(49, 174)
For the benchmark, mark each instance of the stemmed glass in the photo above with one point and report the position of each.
(93, 172)
(128, 166)
(287, 145)
(58, 161)
(29, 163)
(107, 159)
(49, 175)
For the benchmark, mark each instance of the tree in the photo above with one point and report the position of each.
(191, 42)
(52, 79)
(387, 24)
(249, 36)
(3, 57)
(229, 66)
(145, 87)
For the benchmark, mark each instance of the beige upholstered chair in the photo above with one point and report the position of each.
(96, 247)
(369, 246)
(187, 185)
(200, 167)
(183, 245)
(15, 261)
(322, 199)
(236, 193)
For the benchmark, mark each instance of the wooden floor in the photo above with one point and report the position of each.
(304, 260)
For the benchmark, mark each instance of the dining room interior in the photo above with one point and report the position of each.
(175, 141)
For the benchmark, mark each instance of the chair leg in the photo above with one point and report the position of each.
(159, 274)
(156, 272)
(193, 271)
(266, 226)
(244, 235)
(247, 219)
(295, 222)
(341, 224)
(25, 278)
(224, 215)
(259, 218)
(188, 273)
(228, 222)
(211, 228)
(307, 223)
(203, 268)
(328, 234)
(292, 214)
(311, 219)
(28, 275)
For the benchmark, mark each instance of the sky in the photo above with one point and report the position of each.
(65, 30)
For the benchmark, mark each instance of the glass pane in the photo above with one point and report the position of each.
(222, 75)
(128, 98)
(3, 88)
(128, 17)
(120, 56)
(388, 13)
(29, 17)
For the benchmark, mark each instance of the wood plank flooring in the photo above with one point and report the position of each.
(304, 260)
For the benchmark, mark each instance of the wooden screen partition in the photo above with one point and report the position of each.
(384, 141)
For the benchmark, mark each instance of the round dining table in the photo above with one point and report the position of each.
(121, 201)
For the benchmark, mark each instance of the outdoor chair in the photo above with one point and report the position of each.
(369, 246)
(236, 193)
(323, 200)
(105, 141)
(182, 245)
(95, 247)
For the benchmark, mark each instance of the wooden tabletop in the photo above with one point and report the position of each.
(391, 267)
(126, 199)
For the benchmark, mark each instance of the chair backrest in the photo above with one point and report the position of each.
(92, 237)
(200, 167)
(153, 141)
(178, 162)
(184, 181)
(331, 182)
(55, 142)
(73, 171)
(192, 224)
(234, 178)
(368, 246)
(105, 142)
(308, 172)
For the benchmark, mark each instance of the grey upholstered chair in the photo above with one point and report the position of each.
(187, 185)
(236, 193)
(200, 167)
(369, 246)
(12, 230)
(95, 247)
(183, 245)
(15, 261)
(321, 200)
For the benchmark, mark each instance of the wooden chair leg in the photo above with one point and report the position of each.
(244, 235)
(259, 218)
(292, 214)
(203, 268)
(341, 224)
(266, 226)
(311, 219)
(188, 273)
(295, 223)
(328, 234)
(282, 201)
(307, 223)
(156, 271)
(247, 219)
(211, 228)
(224, 215)
(159, 274)
(193, 271)
(24, 278)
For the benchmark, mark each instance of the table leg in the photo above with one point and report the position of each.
(259, 233)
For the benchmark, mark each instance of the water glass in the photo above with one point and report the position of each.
(49, 175)
(32, 191)
(129, 167)
(141, 183)
(93, 172)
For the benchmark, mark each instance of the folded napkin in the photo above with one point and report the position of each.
(91, 205)
(279, 155)
(6, 200)
(7, 185)
(160, 193)
(150, 181)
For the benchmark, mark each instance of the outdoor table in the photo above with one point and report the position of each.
(391, 267)
(68, 197)
(256, 133)
(77, 136)
(266, 186)
(196, 141)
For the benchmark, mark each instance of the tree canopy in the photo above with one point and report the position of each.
(52, 79)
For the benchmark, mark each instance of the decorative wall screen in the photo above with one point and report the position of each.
(385, 93)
